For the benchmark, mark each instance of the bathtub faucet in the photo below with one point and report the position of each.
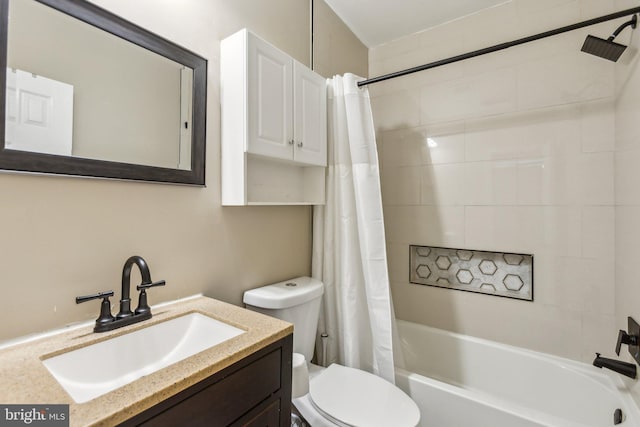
(624, 368)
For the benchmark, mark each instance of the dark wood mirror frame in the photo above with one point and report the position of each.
(25, 161)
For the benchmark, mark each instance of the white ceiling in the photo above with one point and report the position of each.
(380, 21)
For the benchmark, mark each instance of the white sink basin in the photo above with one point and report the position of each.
(97, 369)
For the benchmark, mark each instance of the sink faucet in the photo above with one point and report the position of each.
(106, 322)
(624, 368)
(125, 300)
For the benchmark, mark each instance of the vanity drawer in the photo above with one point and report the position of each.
(247, 393)
(261, 417)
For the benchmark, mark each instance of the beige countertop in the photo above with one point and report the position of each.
(25, 380)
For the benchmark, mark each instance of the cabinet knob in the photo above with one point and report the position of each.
(300, 144)
(291, 142)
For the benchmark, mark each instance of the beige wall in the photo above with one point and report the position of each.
(523, 162)
(63, 237)
(336, 50)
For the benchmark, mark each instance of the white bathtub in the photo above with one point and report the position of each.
(458, 380)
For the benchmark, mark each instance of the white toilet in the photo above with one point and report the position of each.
(338, 395)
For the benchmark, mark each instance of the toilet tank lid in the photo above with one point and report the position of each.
(285, 294)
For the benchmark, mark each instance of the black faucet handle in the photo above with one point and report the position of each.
(143, 286)
(625, 338)
(105, 308)
(86, 298)
(143, 306)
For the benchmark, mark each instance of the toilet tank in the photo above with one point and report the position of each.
(296, 301)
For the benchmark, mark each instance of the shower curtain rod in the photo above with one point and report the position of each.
(501, 46)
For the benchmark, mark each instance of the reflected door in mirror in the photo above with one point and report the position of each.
(39, 114)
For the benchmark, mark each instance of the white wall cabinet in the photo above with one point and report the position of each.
(274, 125)
(309, 116)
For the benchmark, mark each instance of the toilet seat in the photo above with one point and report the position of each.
(351, 397)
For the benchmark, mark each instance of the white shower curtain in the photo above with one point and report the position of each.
(349, 253)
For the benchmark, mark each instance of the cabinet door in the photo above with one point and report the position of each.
(310, 116)
(270, 97)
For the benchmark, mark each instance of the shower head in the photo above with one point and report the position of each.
(608, 49)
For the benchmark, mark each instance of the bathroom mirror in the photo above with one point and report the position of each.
(88, 93)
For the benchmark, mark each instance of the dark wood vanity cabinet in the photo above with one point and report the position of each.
(255, 391)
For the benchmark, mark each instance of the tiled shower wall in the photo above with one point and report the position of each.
(509, 152)
(627, 178)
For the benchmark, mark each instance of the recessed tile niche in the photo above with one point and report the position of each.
(495, 273)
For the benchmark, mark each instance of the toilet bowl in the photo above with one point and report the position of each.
(347, 397)
(338, 395)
